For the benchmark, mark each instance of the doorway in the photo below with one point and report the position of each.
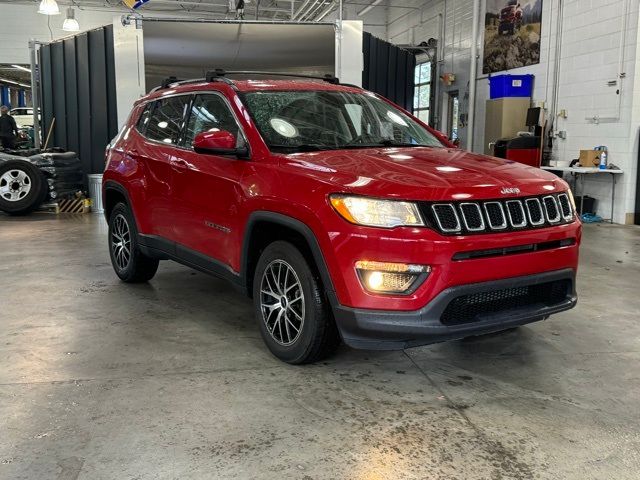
(453, 114)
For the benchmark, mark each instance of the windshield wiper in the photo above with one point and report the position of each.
(304, 147)
(383, 143)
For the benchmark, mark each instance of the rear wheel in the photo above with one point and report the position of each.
(129, 263)
(291, 308)
(23, 187)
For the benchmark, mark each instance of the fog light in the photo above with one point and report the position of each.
(384, 277)
(375, 280)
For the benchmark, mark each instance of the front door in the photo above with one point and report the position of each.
(206, 188)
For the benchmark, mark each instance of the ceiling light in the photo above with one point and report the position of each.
(70, 24)
(20, 67)
(49, 7)
(368, 8)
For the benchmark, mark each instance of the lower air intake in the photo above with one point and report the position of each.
(480, 306)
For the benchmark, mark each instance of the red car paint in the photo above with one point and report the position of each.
(178, 194)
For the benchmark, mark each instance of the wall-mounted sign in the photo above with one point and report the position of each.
(135, 3)
(511, 34)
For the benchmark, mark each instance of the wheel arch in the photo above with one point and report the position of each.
(113, 194)
(264, 227)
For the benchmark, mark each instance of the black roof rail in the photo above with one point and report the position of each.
(220, 73)
(217, 75)
(167, 82)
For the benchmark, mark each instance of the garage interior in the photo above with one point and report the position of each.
(171, 378)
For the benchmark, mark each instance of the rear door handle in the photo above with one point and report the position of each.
(179, 165)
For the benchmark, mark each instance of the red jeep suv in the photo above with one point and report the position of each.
(343, 216)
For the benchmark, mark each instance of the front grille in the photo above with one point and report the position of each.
(481, 306)
(461, 218)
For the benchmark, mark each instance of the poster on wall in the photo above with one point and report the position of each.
(511, 34)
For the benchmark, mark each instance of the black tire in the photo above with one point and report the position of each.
(29, 179)
(318, 336)
(135, 267)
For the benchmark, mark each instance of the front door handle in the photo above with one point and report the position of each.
(179, 165)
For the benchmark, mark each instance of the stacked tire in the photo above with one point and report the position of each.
(30, 177)
(23, 187)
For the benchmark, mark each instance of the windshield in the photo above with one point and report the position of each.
(322, 120)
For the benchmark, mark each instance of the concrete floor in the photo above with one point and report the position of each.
(102, 380)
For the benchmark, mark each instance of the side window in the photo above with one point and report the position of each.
(210, 111)
(166, 119)
(143, 121)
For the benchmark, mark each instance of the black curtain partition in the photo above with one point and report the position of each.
(77, 83)
(388, 70)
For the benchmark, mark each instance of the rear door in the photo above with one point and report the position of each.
(206, 188)
(160, 126)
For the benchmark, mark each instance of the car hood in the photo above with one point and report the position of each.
(423, 173)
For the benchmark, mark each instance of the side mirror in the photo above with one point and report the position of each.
(218, 142)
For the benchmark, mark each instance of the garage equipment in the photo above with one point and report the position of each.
(504, 118)
(524, 149)
(30, 177)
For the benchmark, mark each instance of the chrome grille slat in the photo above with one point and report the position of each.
(465, 211)
(442, 207)
(538, 211)
(517, 204)
(502, 223)
(565, 207)
(550, 205)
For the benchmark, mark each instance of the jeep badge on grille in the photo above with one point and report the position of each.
(510, 191)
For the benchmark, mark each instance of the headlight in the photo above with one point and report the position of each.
(372, 212)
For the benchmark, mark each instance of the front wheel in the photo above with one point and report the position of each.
(129, 263)
(291, 308)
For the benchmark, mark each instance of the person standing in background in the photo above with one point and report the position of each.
(8, 128)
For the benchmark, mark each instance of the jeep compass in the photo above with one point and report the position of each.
(341, 215)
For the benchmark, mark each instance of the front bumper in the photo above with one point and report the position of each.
(392, 330)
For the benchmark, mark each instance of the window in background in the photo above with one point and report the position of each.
(422, 93)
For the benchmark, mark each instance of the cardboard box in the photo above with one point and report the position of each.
(590, 158)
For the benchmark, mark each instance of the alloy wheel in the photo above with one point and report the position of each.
(282, 302)
(14, 185)
(121, 241)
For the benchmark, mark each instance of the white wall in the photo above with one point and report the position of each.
(592, 31)
(375, 22)
(21, 23)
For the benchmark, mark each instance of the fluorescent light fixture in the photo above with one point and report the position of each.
(14, 82)
(20, 67)
(49, 7)
(368, 8)
(70, 24)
